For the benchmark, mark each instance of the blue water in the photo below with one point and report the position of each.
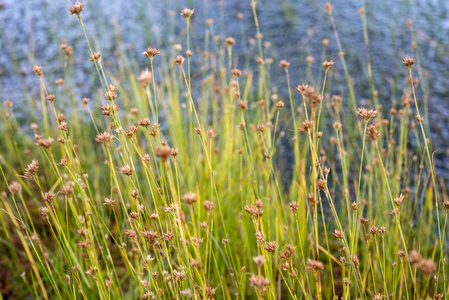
(31, 30)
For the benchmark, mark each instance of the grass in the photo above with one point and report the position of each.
(185, 182)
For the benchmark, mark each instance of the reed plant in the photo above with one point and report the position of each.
(194, 178)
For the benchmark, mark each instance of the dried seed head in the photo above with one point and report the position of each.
(163, 152)
(271, 247)
(44, 211)
(60, 118)
(427, 266)
(287, 253)
(260, 283)
(96, 56)
(303, 89)
(280, 105)
(399, 200)
(109, 202)
(144, 122)
(48, 197)
(15, 187)
(243, 105)
(8, 104)
(414, 258)
(338, 234)
(135, 194)
(284, 64)
(179, 60)
(208, 205)
(408, 62)
(305, 126)
(294, 206)
(104, 138)
(210, 134)
(76, 8)
(64, 126)
(187, 12)
(314, 265)
(209, 291)
(133, 216)
(151, 52)
(107, 110)
(260, 128)
(145, 78)
(355, 260)
(51, 97)
(230, 41)
(394, 212)
(259, 260)
(255, 210)
(177, 47)
(126, 170)
(59, 81)
(68, 50)
(236, 72)
(328, 8)
(111, 94)
(37, 70)
(189, 198)
(373, 133)
(373, 230)
(321, 184)
(46, 143)
(32, 168)
(311, 198)
(154, 129)
(310, 59)
(131, 131)
(366, 114)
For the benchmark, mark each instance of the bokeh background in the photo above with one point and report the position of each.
(31, 31)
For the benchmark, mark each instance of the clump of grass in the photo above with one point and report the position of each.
(171, 185)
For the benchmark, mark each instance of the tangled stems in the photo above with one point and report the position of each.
(354, 221)
(398, 221)
(337, 221)
(426, 144)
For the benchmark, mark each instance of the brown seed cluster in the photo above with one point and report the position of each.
(76, 8)
(151, 52)
(189, 198)
(255, 210)
(305, 126)
(96, 56)
(145, 78)
(104, 138)
(328, 64)
(260, 283)
(187, 12)
(408, 61)
(373, 133)
(314, 265)
(366, 114)
(163, 152)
